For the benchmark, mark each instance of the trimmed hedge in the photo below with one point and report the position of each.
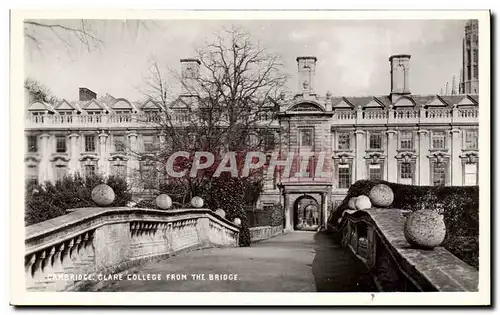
(459, 205)
(47, 201)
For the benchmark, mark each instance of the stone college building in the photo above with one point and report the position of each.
(399, 137)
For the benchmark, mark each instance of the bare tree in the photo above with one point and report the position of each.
(227, 104)
(40, 92)
(75, 32)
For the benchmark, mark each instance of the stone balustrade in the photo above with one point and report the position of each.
(376, 237)
(69, 251)
(260, 233)
(414, 116)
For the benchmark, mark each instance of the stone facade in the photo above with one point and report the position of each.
(399, 137)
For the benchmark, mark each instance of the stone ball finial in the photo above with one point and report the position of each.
(221, 213)
(381, 195)
(197, 202)
(363, 202)
(425, 229)
(352, 203)
(103, 195)
(328, 94)
(163, 201)
(237, 221)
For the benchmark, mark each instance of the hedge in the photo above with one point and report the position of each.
(50, 200)
(458, 204)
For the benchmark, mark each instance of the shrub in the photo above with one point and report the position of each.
(50, 200)
(459, 205)
(277, 214)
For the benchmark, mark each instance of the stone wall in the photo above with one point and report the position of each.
(69, 251)
(376, 237)
(260, 233)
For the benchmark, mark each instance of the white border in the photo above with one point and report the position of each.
(17, 291)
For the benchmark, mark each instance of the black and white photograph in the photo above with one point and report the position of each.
(218, 152)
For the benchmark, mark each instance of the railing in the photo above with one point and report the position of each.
(416, 116)
(376, 237)
(261, 233)
(67, 252)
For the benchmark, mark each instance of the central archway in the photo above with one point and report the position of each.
(307, 214)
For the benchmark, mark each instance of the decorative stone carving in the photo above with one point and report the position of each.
(381, 195)
(197, 202)
(363, 202)
(425, 229)
(103, 195)
(163, 201)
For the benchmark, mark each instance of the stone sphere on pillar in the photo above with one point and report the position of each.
(163, 201)
(363, 202)
(221, 213)
(237, 221)
(197, 202)
(103, 195)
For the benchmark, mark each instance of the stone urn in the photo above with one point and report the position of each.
(103, 195)
(237, 221)
(221, 213)
(197, 202)
(163, 201)
(363, 202)
(381, 196)
(425, 229)
(352, 203)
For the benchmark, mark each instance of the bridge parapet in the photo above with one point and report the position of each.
(376, 237)
(87, 244)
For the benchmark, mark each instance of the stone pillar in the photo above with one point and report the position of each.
(288, 213)
(360, 152)
(103, 154)
(423, 161)
(456, 164)
(324, 210)
(392, 166)
(45, 151)
(74, 164)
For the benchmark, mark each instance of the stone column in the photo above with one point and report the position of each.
(360, 152)
(45, 151)
(456, 163)
(103, 154)
(74, 164)
(392, 163)
(423, 161)
(288, 213)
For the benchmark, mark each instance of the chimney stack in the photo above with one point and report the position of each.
(400, 75)
(86, 94)
(190, 71)
(307, 70)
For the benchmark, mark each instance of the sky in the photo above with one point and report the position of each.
(353, 55)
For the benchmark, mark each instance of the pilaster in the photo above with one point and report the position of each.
(392, 166)
(423, 161)
(456, 164)
(45, 151)
(74, 152)
(103, 154)
(360, 150)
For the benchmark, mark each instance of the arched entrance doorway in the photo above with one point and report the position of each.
(307, 214)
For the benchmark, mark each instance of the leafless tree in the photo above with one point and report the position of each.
(75, 33)
(227, 102)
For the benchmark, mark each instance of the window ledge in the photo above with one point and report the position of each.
(470, 150)
(438, 150)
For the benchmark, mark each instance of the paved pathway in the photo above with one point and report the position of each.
(292, 262)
